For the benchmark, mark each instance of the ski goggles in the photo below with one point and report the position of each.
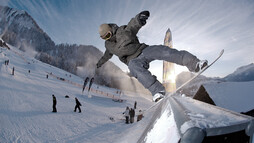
(107, 36)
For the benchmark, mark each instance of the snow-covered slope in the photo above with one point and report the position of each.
(26, 105)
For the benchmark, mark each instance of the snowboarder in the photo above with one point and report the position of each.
(54, 103)
(132, 115)
(90, 84)
(140, 115)
(135, 104)
(13, 70)
(77, 105)
(123, 42)
(84, 85)
(127, 114)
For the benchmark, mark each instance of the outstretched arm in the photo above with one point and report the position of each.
(107, 55)
(138, 21)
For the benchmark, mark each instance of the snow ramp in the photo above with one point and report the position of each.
(185, 120)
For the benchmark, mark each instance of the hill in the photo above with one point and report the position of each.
(26, 104)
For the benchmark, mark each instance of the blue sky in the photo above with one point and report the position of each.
(202, 27)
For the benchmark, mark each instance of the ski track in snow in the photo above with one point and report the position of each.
(26, 105)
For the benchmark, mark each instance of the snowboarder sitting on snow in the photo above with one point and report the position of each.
(77, 105)
(123, 42)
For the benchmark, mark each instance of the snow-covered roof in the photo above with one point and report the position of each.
(235, 96)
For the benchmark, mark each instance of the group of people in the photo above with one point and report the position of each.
(6, 62)
(129, 114)
(77, 106)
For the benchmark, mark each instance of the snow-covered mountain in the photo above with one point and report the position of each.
(26, 104)
(19, 29)
(193, 86)
(244, 73)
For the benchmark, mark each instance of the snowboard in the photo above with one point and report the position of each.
(186, 83)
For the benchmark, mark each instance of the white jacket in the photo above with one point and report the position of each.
(126, 112)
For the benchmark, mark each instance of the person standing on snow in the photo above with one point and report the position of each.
(140, 115)
(77, 105)
(127, 115)
(123, 42)
(132, 115)
(135, 104)
(54, 103)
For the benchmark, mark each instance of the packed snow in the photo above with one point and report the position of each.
(26, 105)
(164, 130)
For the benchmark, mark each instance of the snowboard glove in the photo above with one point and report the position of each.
(143, 16)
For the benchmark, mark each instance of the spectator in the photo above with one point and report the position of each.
(135, 105)
(140, 115)
(54, 103)
(127, 114)
(132, 115)
(13, 69)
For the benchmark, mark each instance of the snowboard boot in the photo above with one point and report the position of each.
(158, 96)
(200, 65)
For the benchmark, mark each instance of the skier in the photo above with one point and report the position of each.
(54, 103)
(90, 84)
(85, 82)
(127, 114)
(123, 42)
(77, 105)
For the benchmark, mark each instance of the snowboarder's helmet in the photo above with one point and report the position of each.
(105, 31)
